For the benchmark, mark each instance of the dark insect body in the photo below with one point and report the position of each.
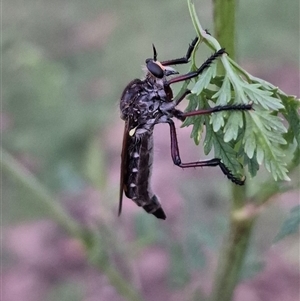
(145, 103)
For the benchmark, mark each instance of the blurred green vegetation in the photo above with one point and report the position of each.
(49, 73)
(64, 66)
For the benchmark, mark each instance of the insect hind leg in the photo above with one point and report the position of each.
(212, 162)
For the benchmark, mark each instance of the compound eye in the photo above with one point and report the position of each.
(154, 69)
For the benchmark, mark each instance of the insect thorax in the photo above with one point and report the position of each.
(140, 102)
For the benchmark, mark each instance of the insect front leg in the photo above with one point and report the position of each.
(193, 74)
(182, 60)
(212, 162)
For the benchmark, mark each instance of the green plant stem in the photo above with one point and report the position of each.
(224, 24)
(242, 218)
(121, 285)
(238, 196)
(9, 166)
(100, 257)
(231, 259)
(235, 246)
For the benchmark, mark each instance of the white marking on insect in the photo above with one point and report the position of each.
(132, 131)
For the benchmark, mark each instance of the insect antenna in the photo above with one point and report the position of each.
(154, 53)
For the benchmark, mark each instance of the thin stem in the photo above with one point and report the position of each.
(231, 259)
(204, 36)
(235, 245)
(121, 284)
(107, 247)
(224, 24)
(243, 212)
(12, 168)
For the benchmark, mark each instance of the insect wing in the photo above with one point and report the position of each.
(123, 164)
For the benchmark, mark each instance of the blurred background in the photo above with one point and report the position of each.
(64, 66)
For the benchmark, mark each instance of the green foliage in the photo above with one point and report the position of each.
(290, 225)
(51, 121)
(243, 138)
(66, 291)
(179, 273)
(55, 116)
(147, 230)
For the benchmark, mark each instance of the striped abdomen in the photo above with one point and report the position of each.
(138, 174)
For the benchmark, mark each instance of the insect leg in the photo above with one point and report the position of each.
(192, 74)
(182, 115)
(182, 60)
(212, 162)
(238, 107)
(181, 97)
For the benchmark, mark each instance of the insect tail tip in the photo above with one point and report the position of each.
(159, 213)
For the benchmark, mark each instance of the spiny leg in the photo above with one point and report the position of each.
(182, 60)
(182, 115)
(193, 74)
(237, 107)
(212, 162)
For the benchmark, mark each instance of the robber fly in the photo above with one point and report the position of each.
(145, 103)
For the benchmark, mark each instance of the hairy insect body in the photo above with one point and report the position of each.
(140, 108)
(141, 100)
(145, 103)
